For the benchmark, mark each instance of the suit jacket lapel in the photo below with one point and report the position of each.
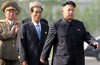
(33, 30)
(42, 31)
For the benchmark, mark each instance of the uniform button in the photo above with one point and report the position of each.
(13, 41)
(13, 45)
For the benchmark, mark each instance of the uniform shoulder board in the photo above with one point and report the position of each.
(2, 21)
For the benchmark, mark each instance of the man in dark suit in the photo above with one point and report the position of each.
(67, 36)
(32, 36)
(8, 34)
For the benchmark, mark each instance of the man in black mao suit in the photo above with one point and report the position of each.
(67, 36)
(30, 43)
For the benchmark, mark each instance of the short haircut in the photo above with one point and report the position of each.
(69, 3)
(35, 4)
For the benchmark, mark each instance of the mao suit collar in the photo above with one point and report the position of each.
(65, 21)
(14, 22)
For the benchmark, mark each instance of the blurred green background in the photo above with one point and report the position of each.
(87, 11)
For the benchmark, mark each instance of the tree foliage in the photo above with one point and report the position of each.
(88, 12)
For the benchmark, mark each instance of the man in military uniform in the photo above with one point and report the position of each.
(8, 34)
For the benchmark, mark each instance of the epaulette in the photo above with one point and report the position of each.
(2, 21)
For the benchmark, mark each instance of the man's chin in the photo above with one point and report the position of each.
(37, 20)
(70, 18)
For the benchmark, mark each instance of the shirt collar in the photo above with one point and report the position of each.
(10, 22)
(36, 23)
(66, 21)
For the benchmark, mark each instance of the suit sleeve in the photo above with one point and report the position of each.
(88, 37)
(48, 43)
(3, 34)
(21, 44)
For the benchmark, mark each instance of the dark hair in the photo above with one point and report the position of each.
(69, 3)
(32, 9)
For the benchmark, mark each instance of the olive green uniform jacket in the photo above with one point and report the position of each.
(7, 41)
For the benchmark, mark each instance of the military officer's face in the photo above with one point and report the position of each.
(11, 14)
(36, 14)
(68, 12)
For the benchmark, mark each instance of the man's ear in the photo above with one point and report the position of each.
(62, 9)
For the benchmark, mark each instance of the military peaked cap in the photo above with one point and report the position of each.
(10, 5)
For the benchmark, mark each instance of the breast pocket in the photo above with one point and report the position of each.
(80, 34)
(62, 34)
(62, 37)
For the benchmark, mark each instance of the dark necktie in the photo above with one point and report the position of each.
(11, 25)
